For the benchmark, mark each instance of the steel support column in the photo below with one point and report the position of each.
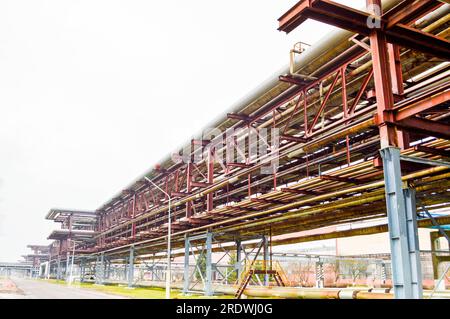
(383, 83)
(413, 242)
(401, 211)
(266, 258)
(58, 268)
(208, 279)
(210, 175)
(186, 276)
(99, 270)
(238, 265)
(66, 272)
(82, 269)
(131, 268)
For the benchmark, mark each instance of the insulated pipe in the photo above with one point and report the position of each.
(206, 191)
(326, 140)
(297, 204)
(312, 58)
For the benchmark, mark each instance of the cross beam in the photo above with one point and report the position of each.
(354, 20)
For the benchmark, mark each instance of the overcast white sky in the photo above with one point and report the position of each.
(94, 92)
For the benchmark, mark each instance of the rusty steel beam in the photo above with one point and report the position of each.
(425, 126)
(408, 11)
(178, 194)
(342, 179)
(353, 20)
(293, 138)
(299, 191)
(432, 150)
(267, 201)
(200, 184)
(416, 107)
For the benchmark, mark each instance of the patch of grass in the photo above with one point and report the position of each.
(137, 292)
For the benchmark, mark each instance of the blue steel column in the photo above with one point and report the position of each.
(66, 271)
(58, 268)
(406, 273)
(208, 281)
(131, 268)
(99, 269)
(82, 270)
(266, 258)
(186, 265)
(238, 265)
(413, 242)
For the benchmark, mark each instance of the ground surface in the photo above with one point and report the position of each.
(20, 288)
(37, 289)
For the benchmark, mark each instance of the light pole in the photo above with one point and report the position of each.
(169, 234)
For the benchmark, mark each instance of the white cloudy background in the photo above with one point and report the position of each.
(94, 92)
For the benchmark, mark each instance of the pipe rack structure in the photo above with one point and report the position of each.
(359, 131)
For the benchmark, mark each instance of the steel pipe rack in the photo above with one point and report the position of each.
(362, 90)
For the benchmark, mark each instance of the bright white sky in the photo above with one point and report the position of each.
(94, 92)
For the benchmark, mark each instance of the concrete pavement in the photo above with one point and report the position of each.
(35, 289)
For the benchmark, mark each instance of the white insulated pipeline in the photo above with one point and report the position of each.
(320, 53)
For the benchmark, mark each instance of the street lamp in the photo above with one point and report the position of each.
(169, 234)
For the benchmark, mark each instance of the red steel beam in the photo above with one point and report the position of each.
(293, 138)
(408, 11)
(432, 150)
(420, 106)
(425, 126)
(348, 18)
(341, 179)
(299, 191)
(322, 106)
(360, 93)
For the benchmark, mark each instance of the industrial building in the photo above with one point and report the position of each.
(350, 139)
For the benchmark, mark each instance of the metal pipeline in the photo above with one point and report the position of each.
(327, 139)
(290, 292)
(295, 205)
(312, 59)
(224, 183)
